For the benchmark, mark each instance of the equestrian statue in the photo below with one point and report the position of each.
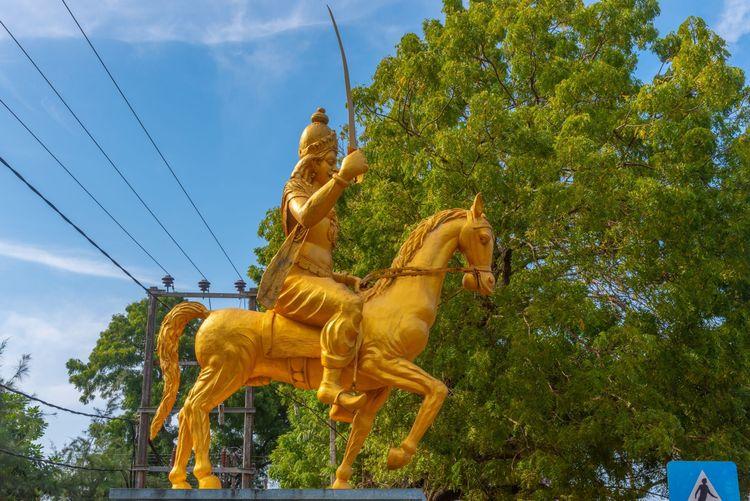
(319, 330)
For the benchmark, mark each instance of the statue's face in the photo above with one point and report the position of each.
(326, 166)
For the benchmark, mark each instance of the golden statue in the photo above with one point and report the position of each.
(300, 283)
(319, 333)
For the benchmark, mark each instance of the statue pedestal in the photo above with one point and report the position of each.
(270, 494)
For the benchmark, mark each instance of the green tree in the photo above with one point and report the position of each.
(21, 427)
(618, 337)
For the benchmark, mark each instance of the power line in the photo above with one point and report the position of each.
(129, 422)
(111, 162)
(303, 404)
(56, 463)
(77, 228)
(65, 409)
(82, 186)
(150, 138)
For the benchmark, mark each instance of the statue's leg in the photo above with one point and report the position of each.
(216, 383)
(361, 426)
(325, 303)
(178, 475)
(405, 375)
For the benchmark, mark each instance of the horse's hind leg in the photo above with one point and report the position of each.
(178, 475)
(217, 382)
(361, 426)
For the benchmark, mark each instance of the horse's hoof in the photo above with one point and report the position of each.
(182, 485)
(209, 482)
(398, 458)
(341, 484)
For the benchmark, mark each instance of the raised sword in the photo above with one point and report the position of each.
(349, 103)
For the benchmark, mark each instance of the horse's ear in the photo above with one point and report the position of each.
(477, 208)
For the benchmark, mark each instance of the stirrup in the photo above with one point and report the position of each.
(362, 400)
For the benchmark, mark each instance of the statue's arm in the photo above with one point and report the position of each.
(310, 211)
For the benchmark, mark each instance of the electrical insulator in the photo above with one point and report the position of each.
(204, 285)
(168, 281)
(240, 285)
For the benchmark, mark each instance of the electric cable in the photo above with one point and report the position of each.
(96, 143)
(150, 138)
(77, 228)
(59, 407)
(41, 143)
(56, 463)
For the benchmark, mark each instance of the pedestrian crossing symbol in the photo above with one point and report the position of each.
(702, 481)
(703, 488)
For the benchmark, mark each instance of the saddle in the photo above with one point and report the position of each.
(295, 342)
(282, 337)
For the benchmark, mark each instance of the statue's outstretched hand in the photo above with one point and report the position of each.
(355, 283)
(349, 280)
(353, 166)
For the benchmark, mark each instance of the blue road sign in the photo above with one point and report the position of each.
(702, 481)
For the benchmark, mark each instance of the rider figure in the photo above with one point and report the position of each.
(305, 287)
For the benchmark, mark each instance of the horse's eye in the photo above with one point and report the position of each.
(484, 239)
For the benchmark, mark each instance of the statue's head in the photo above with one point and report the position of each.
(317, 149)
(477, 242)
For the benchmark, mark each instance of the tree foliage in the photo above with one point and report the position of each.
(21, 427)
(618, 337)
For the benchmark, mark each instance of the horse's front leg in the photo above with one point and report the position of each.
(361, 426)
(405, 375)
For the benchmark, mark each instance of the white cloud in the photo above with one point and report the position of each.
(208, 22)
(734, 21)
(64, 261)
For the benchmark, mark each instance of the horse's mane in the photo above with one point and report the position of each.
(413, 243)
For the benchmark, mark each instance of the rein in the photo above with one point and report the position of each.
(415, 271)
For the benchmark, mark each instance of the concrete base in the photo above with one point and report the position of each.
(270, 494)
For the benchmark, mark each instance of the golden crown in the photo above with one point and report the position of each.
(317, 137)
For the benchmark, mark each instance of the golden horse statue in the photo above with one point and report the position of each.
(237, 347)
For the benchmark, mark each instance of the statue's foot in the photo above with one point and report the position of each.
(209, 482)
(333, 394)
(341, 484)
(181, 485)
(338, 413)
(398, 458)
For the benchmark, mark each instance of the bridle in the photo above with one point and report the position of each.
(416, 271)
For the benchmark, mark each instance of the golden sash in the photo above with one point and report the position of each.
(278, 269)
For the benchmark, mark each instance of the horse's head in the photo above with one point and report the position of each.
(476, 242)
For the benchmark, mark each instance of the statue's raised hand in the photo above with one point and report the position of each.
(354, 165)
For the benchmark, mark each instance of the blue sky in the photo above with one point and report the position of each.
(225, 86)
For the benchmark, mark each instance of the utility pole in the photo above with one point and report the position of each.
(332, 448)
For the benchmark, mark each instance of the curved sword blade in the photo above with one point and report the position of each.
(349, 102)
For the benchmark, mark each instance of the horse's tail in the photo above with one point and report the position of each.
(169, 335)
